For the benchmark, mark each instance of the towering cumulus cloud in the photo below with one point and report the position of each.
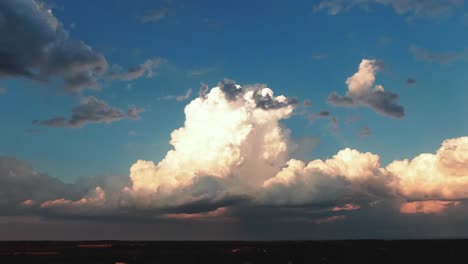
(232, 151)
(232, 132)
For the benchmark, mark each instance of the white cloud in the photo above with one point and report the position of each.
(221, 137)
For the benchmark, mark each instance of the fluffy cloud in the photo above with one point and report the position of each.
(361, 91)
(233, 133)
(232, 152)
(92, 110)
(442, 176)
(348, 175)
(38, 47)
(410, 8)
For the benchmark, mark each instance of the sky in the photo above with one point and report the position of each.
(177, 119)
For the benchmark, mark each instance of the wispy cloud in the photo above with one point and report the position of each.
(178, 98)
(409, 8)
(422, 54)
(200, 71)
(155, 15)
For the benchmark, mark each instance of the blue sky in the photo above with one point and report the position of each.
(129, 68)
(296, 51)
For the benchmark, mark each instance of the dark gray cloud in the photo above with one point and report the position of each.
(92, 110)
(202, 93)
(408, 8)
(267, 102)
(338, 100)
(410, 81)
(3, 90)
(20, 182)
(323, 114)
(307, 103)
(364, 131)
(230, 89)
(320, 115)
(155, 15)
(144, 69)
(422, 54)
(383, 102)
(36, 46)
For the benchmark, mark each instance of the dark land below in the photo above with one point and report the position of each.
(128, 252)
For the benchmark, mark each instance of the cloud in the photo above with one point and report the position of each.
(155, 15)
(346, 207)
(362, 92)
(410, 81)
(229, 134)
(330, 219)
(439, 176)
(3, 90)
(202, 93)
(427, 207)
(144, 69)
(320, 115)
(39, 48)
(348, 174)
(19, 182)
(92, 110)
(231, 159)
(200, 71)
(409, 8)
(422, 54)
(178, 98)
(364, 131)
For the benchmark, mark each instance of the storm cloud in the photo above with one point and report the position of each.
(36, 46)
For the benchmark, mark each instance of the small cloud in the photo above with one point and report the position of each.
(346, 207)
(178, 98)
(155, 15)
(132, 133)
(330, 219)
(410, 81)
(426, 55)
(145, 69)
(200, 71)
(409, 8)
(333, 124)
(362, 91)
(307, 102)
(91, 110)
(319, 56)
(364, 131)
(32, 131)
(203, 90)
